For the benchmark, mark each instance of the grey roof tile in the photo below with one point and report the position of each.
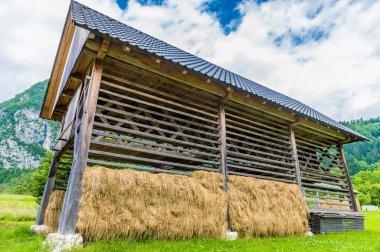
(92, 20)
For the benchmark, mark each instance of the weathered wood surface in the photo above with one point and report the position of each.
(351, 190)
(82, 143)
(49, 185)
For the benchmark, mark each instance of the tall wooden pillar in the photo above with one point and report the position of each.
(345, 168)
(223, 152)
(223, 142)
(296, 161)
(82, 139)
(49, 186)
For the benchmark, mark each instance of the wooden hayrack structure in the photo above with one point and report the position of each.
(126, 99)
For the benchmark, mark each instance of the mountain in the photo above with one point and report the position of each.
(24, 137)
(364, 156)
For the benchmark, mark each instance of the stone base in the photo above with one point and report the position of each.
(309, 233)
(39, 228)
(231, 235)
(57, 242)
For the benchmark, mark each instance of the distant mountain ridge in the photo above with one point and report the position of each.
(364, 156)
(24, 137)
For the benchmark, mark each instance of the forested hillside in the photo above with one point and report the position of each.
(24, 137)
(364, 156)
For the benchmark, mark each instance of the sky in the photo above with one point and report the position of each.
(324, 53)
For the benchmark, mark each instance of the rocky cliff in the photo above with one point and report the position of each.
(24, 137)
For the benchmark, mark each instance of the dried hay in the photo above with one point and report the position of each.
(54, 209)
(261, 207)
(324, 203)
(138, 205)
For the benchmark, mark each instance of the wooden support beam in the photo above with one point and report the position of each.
(345, 167)
(103, 49)
(223, 153)
(70, 208)
(49, 186)
(223, 142)
(296, 162)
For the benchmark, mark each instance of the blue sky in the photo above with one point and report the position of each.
(325, 53)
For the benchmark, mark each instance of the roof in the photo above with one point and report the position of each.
(92, 20)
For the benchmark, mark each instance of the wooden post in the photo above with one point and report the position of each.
(82, 139)
(49, 186)
(223, 153)
(223, 142)
(345, 167)
(293, 144)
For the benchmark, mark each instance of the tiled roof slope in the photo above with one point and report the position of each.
(92, 20)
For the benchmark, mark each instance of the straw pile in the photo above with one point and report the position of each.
(261, 207)
(54, 209)
(325, 204)
(138, 205)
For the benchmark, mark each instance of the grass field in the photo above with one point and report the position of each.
(17, 214)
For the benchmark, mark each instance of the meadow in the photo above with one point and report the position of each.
(17, 213)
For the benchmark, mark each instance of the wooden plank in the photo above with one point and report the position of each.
(296, 162)
(223, 143)
(178, 119)
(70, 208)
(265, 171)
(261, 177)
(161, 122)
(136, 167)
(112, 118)
(257, 152)
(150, 161)
(58, 67)
(153, 152)
(152, 143)
(167, 94)
(49, 186)
(351, 190)
(158, 99)
(176, 111)
(153, 136)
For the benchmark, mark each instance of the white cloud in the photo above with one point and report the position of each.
(338, 75)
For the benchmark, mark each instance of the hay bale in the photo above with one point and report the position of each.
(325, 204)
(261, 207)
(54, 209)
(138, 205)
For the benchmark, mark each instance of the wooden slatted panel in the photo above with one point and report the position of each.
(324, 180)
(257, 145)
(148, 125)
(63, 171)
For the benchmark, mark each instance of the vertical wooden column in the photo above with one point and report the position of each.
(82, 139)
(223, 153)
(223, 142)
(293, 144)
(345, 168)
(49, 186)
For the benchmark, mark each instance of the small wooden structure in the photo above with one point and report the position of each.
(128, 100)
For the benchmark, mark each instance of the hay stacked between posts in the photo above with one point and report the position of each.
(138, 205)
(54, 209)
(261, 207)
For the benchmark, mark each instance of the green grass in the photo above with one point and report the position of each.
(16, 213)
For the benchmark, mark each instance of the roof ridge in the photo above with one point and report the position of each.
(144, 41)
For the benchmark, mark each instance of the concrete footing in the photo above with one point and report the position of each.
(39, 228)
(231, 235)
(309, 233)
(57, 242)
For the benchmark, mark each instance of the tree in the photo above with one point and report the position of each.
(38, 178)
(368, 185)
